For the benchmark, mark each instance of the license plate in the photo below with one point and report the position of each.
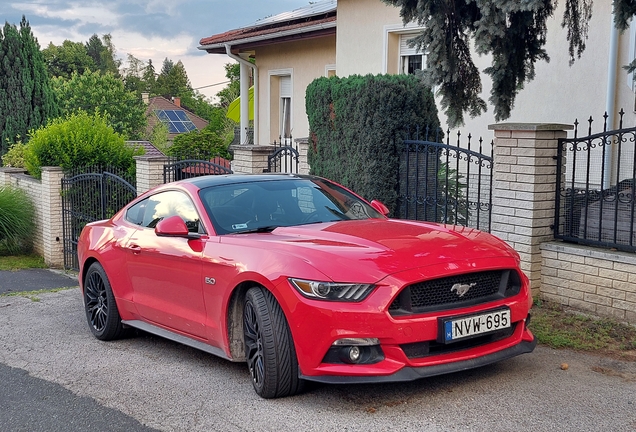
(463, 327)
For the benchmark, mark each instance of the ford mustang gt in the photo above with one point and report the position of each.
(304, 281)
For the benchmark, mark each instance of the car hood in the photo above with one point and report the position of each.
(369, 250)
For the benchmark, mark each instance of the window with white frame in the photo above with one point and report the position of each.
(411, 59)
(285, 106)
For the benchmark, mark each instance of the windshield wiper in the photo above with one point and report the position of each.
(263, 229)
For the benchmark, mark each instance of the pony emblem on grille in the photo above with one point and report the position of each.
(462, 289)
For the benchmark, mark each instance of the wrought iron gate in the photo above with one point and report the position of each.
(87, 198)
(445, 183)
(285, 158)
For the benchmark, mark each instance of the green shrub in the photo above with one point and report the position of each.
(17, 221)
(80, 140)
(204, 144)
(357, 127)
(14, 157)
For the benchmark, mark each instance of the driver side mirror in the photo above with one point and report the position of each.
(173, 226)
(380, 207)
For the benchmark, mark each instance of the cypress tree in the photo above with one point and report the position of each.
(26, 98)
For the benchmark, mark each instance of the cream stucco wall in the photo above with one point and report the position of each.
(561, 93)
(361, 47)
(304, 60)
(366, 43)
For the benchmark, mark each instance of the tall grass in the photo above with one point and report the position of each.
(17, 221)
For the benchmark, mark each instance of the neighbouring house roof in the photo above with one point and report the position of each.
(158, 106)
(151, 150)
(314, 20)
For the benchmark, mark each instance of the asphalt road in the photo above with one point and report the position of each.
(150, 382)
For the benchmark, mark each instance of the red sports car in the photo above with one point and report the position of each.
(303, 280)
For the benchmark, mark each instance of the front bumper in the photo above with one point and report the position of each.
(414, 373)
(316, 325)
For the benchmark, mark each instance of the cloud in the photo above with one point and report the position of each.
(148, 29)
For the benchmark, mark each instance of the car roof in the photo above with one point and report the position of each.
(214, 180)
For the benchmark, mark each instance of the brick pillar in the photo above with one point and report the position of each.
(250, 159)
(51, 222)
(524, 189)
(149, 172)
(303, 149)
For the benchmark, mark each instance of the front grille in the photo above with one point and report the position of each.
(426, 349)
(444, 293)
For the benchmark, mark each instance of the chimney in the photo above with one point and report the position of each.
(176, 101)
(145, 97)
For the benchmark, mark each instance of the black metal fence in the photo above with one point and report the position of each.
(188, 168)
(285, 158)
(445, 183)
(596, 175)
(88, 196)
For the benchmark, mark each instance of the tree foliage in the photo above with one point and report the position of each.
(79, 140)
(204, 144)
(96, 54)
(512, 31)
(104, 93)
(26, 98)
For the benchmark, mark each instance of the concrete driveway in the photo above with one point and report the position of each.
(170, 387)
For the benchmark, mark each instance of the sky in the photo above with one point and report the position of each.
(148, 29)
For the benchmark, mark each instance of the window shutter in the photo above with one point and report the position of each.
(405, 49)
(285, 86)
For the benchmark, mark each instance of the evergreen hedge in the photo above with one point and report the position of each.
(357, 125)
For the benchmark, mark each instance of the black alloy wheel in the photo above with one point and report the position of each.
(269, 348)
(99, 302)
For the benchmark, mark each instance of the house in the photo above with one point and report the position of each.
(348, 37)
(177, 119)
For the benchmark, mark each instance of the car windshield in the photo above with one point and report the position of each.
(262, 206)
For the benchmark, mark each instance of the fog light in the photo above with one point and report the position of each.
(354, 354)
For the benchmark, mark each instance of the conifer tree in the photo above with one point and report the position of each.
(26, 98)
(513, 32)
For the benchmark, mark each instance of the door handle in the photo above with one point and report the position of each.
(136, 249)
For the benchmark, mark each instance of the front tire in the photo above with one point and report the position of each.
(99, 303)
(269, 348)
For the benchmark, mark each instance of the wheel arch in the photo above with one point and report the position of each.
(234, 323)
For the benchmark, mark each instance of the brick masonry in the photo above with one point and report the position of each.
(595, 280)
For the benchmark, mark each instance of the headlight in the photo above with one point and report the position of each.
(332, 290)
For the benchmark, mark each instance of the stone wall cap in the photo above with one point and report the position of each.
(530, 126)
(52, 168)
(13, 170)
(253, 147)
(151, 158)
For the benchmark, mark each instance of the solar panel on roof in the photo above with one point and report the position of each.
(312, 9)
(176, 120)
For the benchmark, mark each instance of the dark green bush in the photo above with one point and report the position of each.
(17, 221)
(78, 141)
(357, 127)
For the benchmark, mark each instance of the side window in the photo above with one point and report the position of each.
(135, 214)
(170, 203)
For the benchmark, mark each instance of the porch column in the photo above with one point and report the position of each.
(524, 189)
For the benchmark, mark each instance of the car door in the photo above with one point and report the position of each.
(165, 272)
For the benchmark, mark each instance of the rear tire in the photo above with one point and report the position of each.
(269, 348)
(99, 303)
